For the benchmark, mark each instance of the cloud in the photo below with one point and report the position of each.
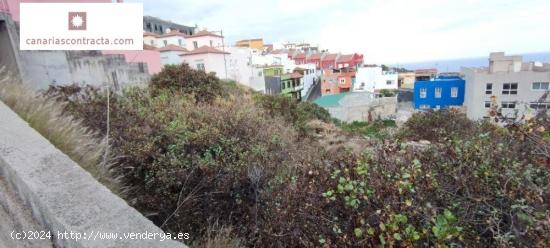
(386, 31)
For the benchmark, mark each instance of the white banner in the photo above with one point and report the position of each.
(81, 26)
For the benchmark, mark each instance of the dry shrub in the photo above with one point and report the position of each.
(254, 163)
(219, 237)
(437, 125)
(65, 132)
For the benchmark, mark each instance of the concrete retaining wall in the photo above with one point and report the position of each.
(356, 108)
(61, 195)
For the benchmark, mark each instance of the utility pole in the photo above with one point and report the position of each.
(223, 49)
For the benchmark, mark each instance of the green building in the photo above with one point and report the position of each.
(273, 70)
(291, 85)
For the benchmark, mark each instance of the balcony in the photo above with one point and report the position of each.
(299, 87)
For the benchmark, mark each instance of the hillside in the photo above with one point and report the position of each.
(236, 168)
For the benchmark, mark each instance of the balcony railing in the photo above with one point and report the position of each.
(299, 87)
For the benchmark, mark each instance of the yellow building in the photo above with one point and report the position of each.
(251, 43)
(406, 80)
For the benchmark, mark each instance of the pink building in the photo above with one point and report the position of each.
(149, 55)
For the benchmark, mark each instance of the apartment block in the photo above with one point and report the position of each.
(509, 84)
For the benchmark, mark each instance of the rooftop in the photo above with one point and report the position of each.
(330, 56)
(293, 75)
(204, 33)
(172, 48)
(329, 101)
(204, 50)
(300, 56)
(173, 33)
(149, 47)
(501, 63)
(315, 56)
(149, 34)
(345, 58)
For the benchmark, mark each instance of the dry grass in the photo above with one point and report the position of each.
(63, 131)
(219, 237)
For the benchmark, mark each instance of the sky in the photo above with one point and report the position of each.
(385, 31)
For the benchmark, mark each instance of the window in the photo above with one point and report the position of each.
(200, 65)
(487, 104)
(489, 89)
(342, 80)
(423, 92)
(454, 92)
(540, 86)
(141, 67)
(195, 45)
(438, 91)
(540, 105)
(424, 106)
(165, 42)
(152, 42)
(510, 89)
(180, 42)
(211, 43)
(259, 74)
(389, 82)
(508, 105)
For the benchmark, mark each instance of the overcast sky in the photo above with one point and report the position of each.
(386, 31)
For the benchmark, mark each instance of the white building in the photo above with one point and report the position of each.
(373, 78)
(149, 39)
(209, 59)
(204, 38)
(282, 59)
(508, 83)
(257, 79)
(169, 38)
(311, 76)
(239, 66)
(170, 55)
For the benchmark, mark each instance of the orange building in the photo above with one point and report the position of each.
(337, 81)
(251, 43)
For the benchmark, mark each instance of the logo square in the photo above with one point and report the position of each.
(77, 21)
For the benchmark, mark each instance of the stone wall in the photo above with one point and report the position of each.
(61, 195)
(355, 108)
(43, 68)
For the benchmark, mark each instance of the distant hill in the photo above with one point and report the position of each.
(454, 65)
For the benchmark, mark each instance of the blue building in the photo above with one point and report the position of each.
(440, 92)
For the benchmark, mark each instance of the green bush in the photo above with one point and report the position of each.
(183, 79)
(296, 113)
(387, 93)
(437, 125)
(242, 160)
(374, 129)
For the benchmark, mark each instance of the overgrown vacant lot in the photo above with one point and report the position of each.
(235, 168)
